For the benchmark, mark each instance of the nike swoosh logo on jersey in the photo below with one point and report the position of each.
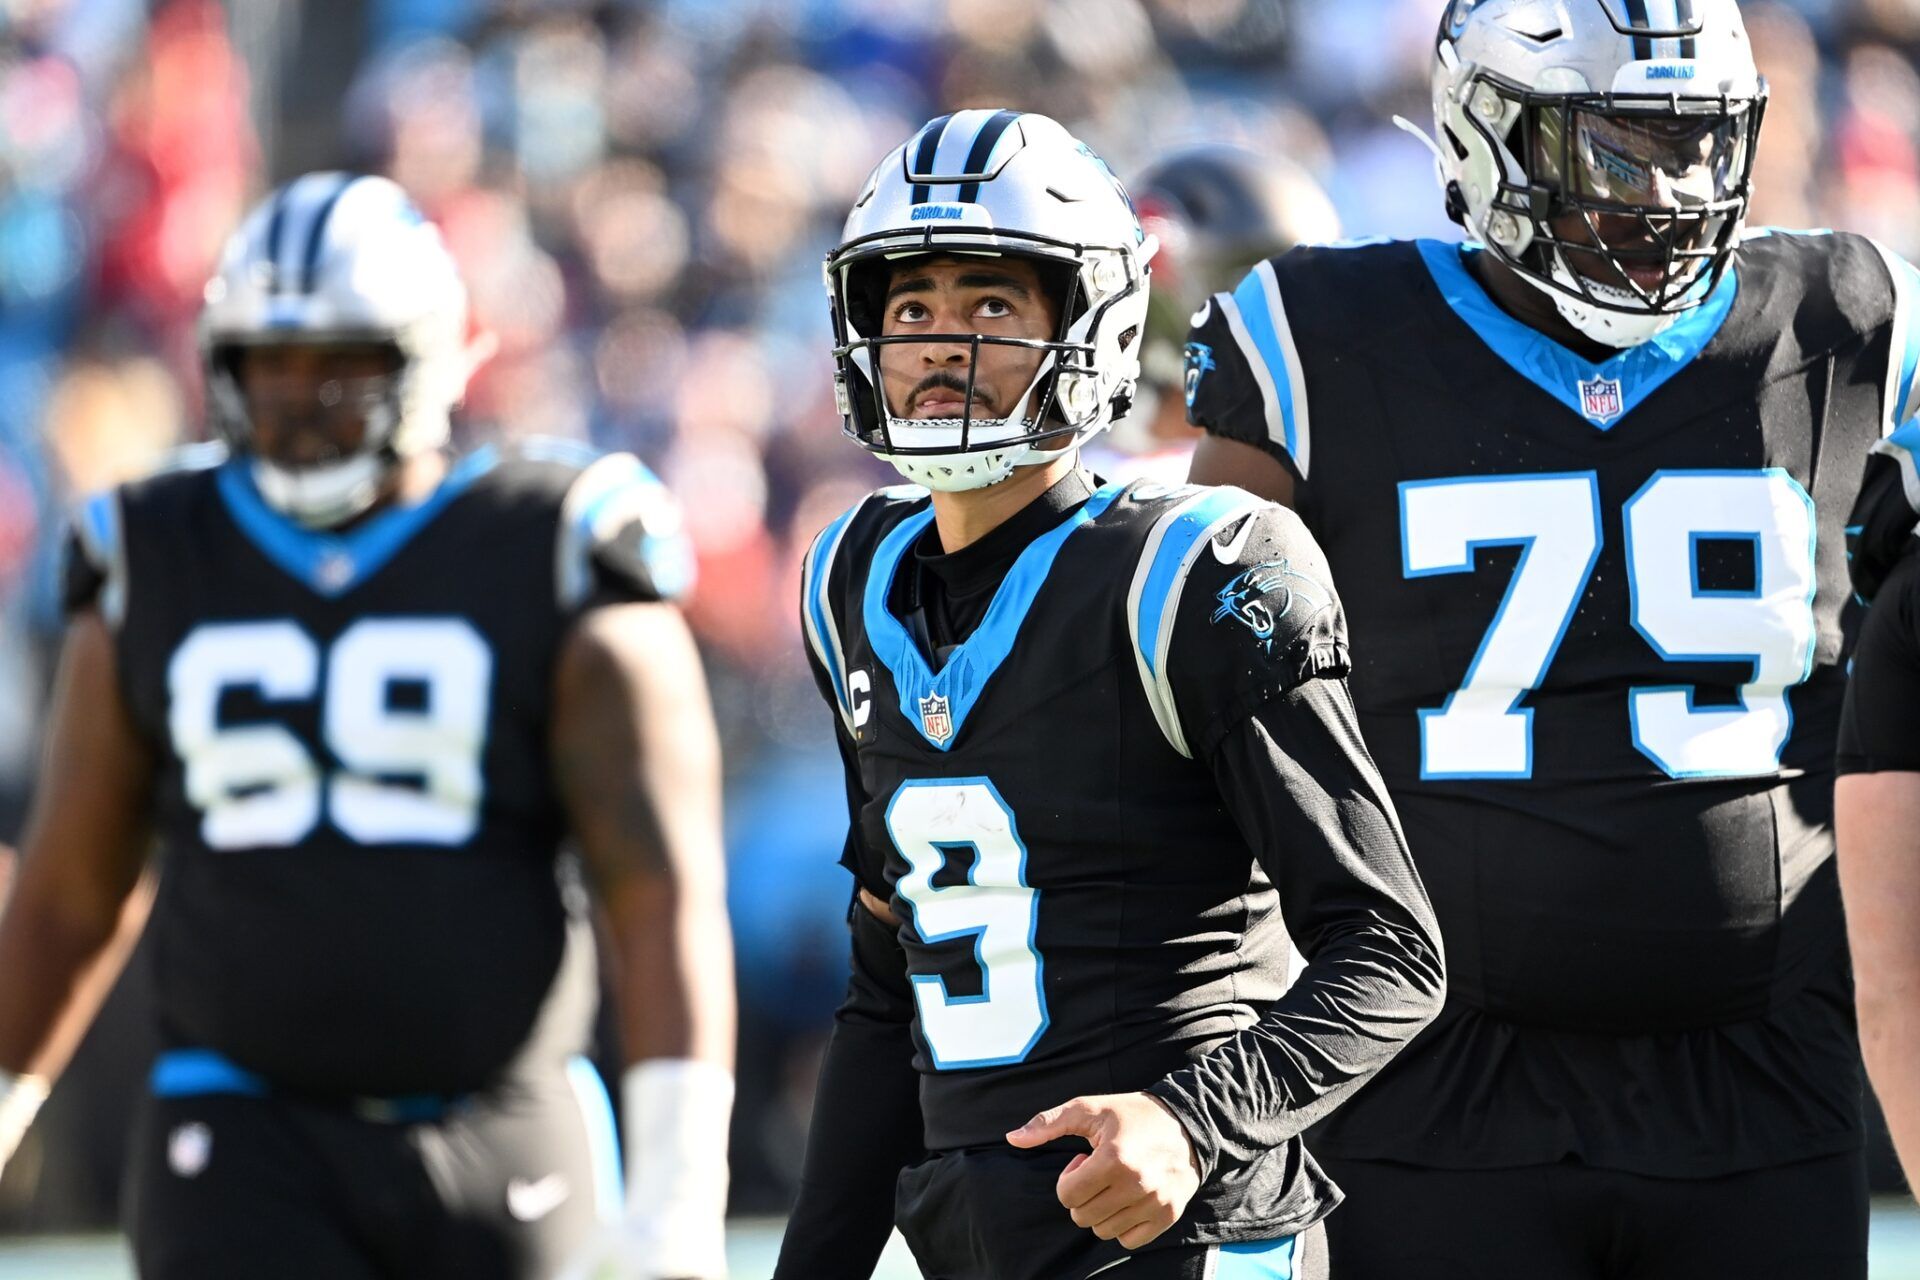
(1098, 1271)
(1230, 554)
(1199, 318)
(532, 1201)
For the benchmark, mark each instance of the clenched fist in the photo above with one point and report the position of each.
(1142, 1171)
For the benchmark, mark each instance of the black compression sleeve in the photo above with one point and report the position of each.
(1298, 780)
(866, 1119)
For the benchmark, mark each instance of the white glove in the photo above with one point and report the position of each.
(20, 1099)
(674, 1226)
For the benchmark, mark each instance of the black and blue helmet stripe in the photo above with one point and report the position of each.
(982, 150)
(923, 155)
(949, 153)
(297, 228)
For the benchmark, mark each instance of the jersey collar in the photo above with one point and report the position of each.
(1601, 393)
(938, 704)
(332, 564)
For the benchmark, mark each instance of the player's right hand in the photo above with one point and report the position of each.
(1142, 1172)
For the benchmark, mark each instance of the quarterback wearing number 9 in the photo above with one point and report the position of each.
(1586, 484)
(1100, 762)
(359, 690)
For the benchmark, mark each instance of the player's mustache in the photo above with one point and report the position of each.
(944, 381)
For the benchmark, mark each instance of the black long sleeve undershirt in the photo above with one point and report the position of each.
(866, 1118)
(1297, 779)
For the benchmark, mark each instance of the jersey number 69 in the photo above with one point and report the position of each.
(257, 785)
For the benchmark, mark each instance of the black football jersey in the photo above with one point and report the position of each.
(1082, 913)
(1598, 614)
(360, 892)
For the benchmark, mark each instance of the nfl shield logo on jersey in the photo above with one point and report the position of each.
(935, 718)
(1600, 400)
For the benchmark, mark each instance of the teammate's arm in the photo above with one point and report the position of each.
(78, 900)
(1222, 460)
(866, 1108)
(636, 760)
(1877, 822)
(1244, 400)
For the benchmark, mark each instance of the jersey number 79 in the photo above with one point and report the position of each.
(1481, 731)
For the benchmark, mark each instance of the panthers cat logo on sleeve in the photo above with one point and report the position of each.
(1263, 595)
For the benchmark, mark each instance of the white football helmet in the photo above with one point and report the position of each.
(1602, 148)
(994, 183)
(335, 258)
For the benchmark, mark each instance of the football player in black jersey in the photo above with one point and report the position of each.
(1877, 796)
(359, 691)
(1584, 484)
(1100, 763)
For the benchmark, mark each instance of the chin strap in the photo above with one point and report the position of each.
(1619, 329)
(321, 497)
(1425, 139)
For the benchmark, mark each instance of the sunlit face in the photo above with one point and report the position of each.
(308, 403)
(943, 297)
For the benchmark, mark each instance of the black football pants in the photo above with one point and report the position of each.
(981, 1215)
(1572, 1222)
(504, 1186)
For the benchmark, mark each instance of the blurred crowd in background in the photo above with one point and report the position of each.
(641, 193)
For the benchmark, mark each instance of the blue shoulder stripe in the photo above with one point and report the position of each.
(1258, 320)
(1903, 448)
(816, 612)
(98, 525)
(1175, 540)
(611, 492)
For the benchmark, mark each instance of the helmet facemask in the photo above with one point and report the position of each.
(334, 439)
(1060, 404)
(1624, 208)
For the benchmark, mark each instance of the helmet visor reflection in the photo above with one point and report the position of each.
(1643, 199)
(1643, 160)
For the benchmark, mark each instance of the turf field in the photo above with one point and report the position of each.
(1896, 1252)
